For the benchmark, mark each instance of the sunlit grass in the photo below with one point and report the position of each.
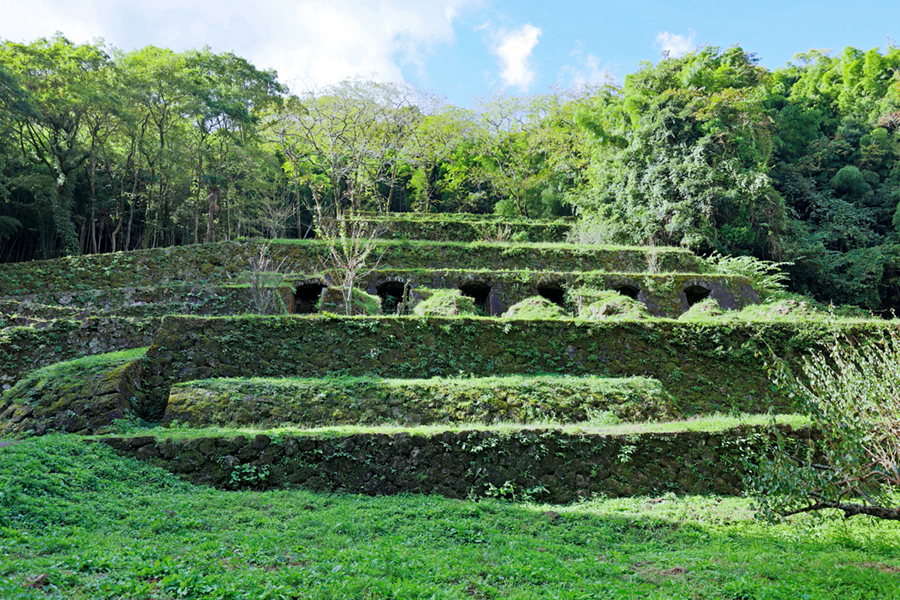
(100, 527)
(601, 426)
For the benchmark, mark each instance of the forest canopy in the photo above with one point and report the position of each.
(103, 150)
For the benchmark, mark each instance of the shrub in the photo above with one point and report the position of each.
(445, 303)
(608, 305)
(703, 310)
(852, 461)
(535, 307)
(766, 277)
(363, 303)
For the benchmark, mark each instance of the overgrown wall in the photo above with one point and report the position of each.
(662, 293)
(23, 349)
(80, 396)
(705, 367)
(452, 228)
(228, 263)
(206, 300)
(361, 401)
(546, 465)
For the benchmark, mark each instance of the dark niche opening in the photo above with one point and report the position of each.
(627, 290)
(480, 293)
(306, 298)
(552, 292)
(695, 294)
(393, 294)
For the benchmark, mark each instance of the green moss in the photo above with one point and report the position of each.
(363, 303)
(712, 423)
(467, 227)
(226, 262)
(608, 305)
(75, 396)
(704, 309)
(535, 307)
(348, 400)
(445, 303)
(705, 366)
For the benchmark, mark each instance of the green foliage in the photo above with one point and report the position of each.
(703, 310)
(47, 481)
(600, 305)
(535, 307)
(445, 303)
(766, 277)
(680, 153)
(849, 463)
(371, 401)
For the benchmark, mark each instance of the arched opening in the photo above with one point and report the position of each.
(393, 295)
(480, 293)
(306, 298)
(627, 290)
(552, 292)
(695, 294)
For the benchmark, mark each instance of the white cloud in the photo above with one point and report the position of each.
(585, 72)
(513, 48)
(317, 41)
(671, 44)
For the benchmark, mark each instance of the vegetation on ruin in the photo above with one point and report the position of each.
(444, 400)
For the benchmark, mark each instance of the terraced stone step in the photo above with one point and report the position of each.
(552, 465)
(468, 228)
(84, 395)
(144, 301)
(371, 401)
(706, 367)
(229, 262)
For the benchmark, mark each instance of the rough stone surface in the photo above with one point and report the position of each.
(545, 465)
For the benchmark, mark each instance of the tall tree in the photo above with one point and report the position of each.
(66, 84)
(681, 156)
(345, 144)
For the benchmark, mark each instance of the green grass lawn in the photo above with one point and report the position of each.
(79, 522)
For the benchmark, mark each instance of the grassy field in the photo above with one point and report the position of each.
(78, 522)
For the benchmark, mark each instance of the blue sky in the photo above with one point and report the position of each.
(461, 49)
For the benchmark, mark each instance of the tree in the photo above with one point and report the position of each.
(851, 462)
(350, 241)
(680, 156)
(66, 83)
(345, 143)
(439, 153)
(524, 148)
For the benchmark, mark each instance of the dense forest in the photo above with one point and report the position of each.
(103, 150)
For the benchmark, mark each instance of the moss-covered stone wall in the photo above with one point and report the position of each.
(456, 228)
(545, 465)
(368, 401)
(705, 367)
(228, 263)
(84, 395)
(23, 349)
(212, 300)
